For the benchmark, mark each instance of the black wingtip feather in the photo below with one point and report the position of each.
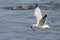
(36, 5)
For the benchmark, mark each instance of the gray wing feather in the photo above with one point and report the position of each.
(42, 21)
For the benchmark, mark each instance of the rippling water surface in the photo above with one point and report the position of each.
(15, 24)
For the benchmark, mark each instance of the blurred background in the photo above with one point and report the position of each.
(17, 16)
(17, 4)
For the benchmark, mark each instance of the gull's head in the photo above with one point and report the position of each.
(34, 25)
(36, 5)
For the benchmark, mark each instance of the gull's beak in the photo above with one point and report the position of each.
(32, 28)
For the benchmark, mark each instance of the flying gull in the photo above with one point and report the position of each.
(41, 21)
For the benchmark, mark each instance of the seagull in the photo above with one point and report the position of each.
(41, 21)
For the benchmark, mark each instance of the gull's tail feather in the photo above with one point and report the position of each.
(42, 21)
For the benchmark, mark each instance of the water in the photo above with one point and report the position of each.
(15, 24)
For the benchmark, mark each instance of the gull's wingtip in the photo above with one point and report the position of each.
(36, 5)
(45, 16)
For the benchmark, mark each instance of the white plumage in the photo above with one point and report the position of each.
(40, 20)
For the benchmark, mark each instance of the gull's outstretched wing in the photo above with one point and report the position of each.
(42, 21)
(38, 13)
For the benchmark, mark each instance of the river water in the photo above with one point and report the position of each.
(15, 24)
